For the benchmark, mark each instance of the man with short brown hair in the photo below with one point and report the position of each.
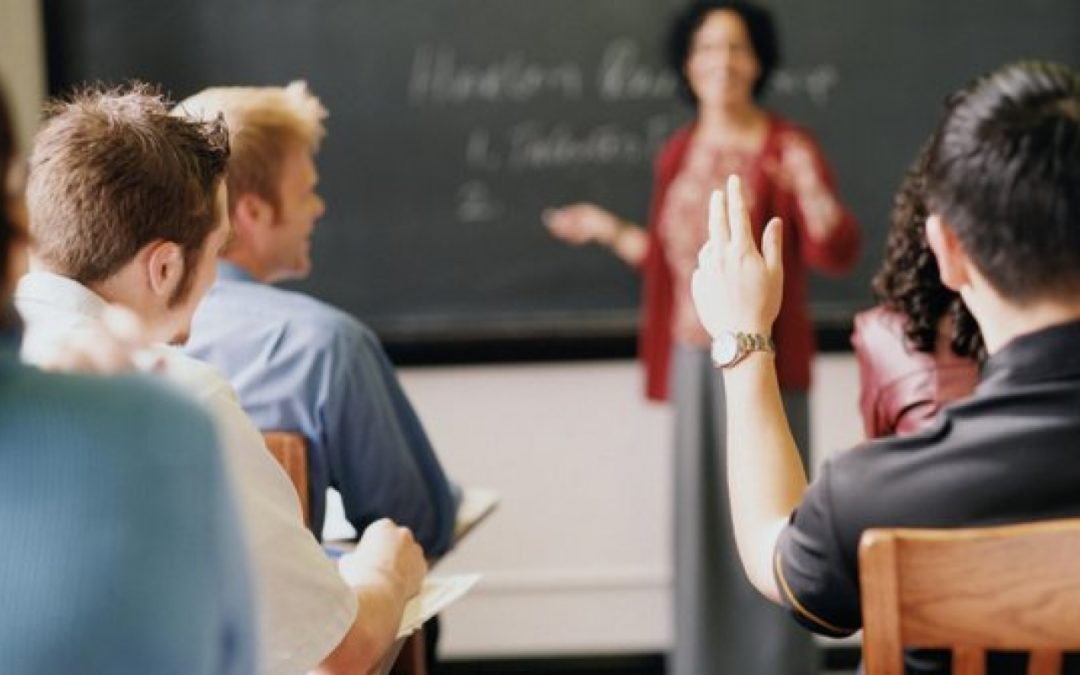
(89, 236)
(128, 206)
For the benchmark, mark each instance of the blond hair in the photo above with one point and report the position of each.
(264, 124)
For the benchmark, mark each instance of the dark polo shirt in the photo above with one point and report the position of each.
(1009, 453)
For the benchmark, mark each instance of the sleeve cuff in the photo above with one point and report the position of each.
(798, 610)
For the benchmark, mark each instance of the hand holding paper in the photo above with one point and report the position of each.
(390, 552)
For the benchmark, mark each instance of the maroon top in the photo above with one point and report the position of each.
(901, 388)
(773, 193)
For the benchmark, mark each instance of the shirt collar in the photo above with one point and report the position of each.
(61, 293)
(228, 271)
(1049, 353)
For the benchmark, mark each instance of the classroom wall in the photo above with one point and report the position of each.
(576, 558)
(22, 68)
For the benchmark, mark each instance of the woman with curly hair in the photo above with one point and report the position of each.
(919, 348)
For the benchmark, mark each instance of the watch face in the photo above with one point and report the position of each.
(725, 348)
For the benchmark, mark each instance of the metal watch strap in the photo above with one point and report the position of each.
(755, 342)
(752, 342)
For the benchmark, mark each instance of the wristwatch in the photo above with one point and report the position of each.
(729, 348)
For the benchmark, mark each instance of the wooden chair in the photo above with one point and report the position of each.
(1014, 587)
(290, 450)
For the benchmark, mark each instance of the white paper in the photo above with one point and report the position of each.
(476, 504)
(436, 594)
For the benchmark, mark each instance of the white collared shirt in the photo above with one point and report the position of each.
(305, 608)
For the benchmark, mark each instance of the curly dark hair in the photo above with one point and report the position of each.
(909, 281)
(759, 25)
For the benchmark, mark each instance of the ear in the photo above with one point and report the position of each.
(952, 260)
(252, 212)
(164, 261)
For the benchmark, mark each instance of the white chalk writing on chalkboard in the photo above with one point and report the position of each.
(479, 153)
(476, 203)
(817, 82)
(623, 76)
(535, 145)
(439, 76)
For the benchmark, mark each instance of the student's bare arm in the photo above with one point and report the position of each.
(737, 288)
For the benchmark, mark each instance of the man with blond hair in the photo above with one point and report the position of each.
(299, 364)
(127, 205)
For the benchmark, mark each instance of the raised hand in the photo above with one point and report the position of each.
(821, 211)
(735, 287)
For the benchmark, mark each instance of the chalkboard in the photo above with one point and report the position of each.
(454, 123)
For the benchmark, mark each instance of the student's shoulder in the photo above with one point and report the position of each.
(881, 344)
(100, 392)
(293, 307)
(297, 321)
(854, 471)
(118, 410)
(321, 323)
(875, 483)
(202, 382)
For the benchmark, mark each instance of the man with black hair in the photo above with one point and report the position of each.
(1004, 225)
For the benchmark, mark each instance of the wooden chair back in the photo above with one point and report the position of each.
(1014, 587)
(290, 450)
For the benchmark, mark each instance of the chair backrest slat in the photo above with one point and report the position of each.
(1045, 662)
(880, 602)
(969, 661)
(290, 450)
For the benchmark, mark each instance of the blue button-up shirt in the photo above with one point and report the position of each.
(301, 365)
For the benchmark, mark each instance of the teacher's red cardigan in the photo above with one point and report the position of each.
(793, 330)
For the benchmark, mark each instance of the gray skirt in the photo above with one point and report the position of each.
(722, 625)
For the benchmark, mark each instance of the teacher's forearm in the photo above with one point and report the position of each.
(630, 243)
